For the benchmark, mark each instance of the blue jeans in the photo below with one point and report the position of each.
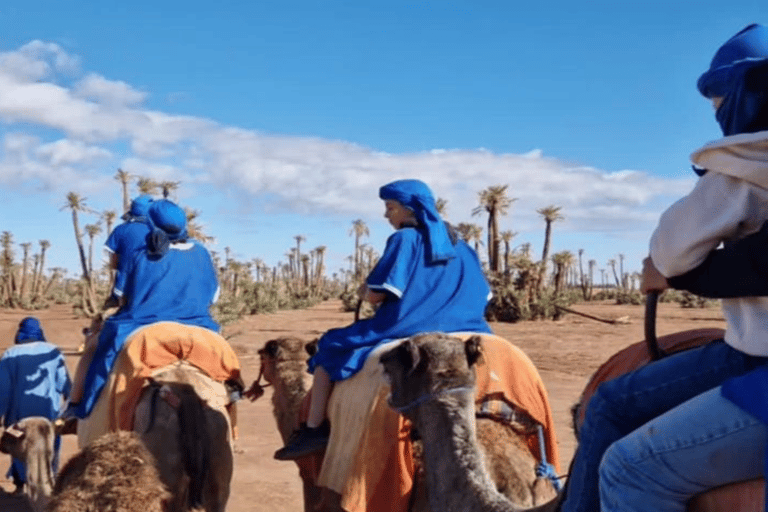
(706, 442)
(624, 404)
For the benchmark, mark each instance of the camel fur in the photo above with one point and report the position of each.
(190, 438)
(116, 473)
(433, 383)
(30, 440)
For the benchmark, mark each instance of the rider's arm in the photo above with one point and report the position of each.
(737, 270)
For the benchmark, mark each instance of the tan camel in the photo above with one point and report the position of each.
(284, 366)
(506, 456)
(432, 379)
(116, 473)
(31, 441)
(189, 437)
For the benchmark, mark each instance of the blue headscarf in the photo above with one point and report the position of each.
(170, 225)
(739, 74)
(417, 196)
(139, 209)
(29, 330)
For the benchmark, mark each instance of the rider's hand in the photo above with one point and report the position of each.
(652, 280)
(255, 392)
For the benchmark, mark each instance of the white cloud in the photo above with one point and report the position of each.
(108, 92)
(96, 116)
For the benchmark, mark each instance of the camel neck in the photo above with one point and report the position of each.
(456, 477)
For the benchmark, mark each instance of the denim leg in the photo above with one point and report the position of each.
(621, 405)
(703, 443)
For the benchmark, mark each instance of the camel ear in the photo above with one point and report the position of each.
(408, 355)
(472, 349)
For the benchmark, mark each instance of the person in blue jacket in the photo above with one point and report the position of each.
(171, 279)
(426, 280)
(694, 420)
(33, 382)
(126, 240)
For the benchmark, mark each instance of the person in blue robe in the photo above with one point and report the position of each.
(171, 279)
(127, 239)
(33, 382)
(426, 280)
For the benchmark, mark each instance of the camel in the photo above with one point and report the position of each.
(284, 366)
(190, 439)
(31, 440)
(115, 473)
(507, 458)
(432, 380)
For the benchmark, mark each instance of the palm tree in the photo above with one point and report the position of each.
(299, 239)
(359, 229)
(495, 202)
(441, 205)
(464, 229)
(124, 178)
(476, 236)
(195, 229)
(77, 204)
(92, 230)
(24, 268)
(44, 245)
(168, 186)
(109, 216)
(551, 214)
(147, 186)
(319, 269)
(563, 261)
(506, 237)
(6, 262)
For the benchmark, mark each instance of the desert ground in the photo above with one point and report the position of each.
(566, 352)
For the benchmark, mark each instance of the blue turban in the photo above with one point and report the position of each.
(739, 74)
(170, 225)
(416, 195)
(29, 330)
(139, 208)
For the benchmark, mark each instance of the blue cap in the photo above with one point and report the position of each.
(139, 207)
(29, 330)
(744, 50)
(169, 217)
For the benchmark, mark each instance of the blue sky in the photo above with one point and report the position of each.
(284, 118)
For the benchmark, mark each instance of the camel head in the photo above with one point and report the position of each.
(428, 365)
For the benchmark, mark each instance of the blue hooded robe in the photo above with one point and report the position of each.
(169, 280)
(33, 382)
(431, 284)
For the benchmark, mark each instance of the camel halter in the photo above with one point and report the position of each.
(429, 396)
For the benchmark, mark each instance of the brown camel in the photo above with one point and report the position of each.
(30, 440)
(506, 456)
(189, 437)
(432, 379)
(115, 473)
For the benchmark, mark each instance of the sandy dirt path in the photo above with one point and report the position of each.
(566, 353)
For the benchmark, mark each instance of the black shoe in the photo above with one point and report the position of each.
(305, 441)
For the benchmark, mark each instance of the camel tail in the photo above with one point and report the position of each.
(192, 432)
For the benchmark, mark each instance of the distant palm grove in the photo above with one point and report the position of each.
(524, 287)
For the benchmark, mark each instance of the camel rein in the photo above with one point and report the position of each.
(431, 396)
